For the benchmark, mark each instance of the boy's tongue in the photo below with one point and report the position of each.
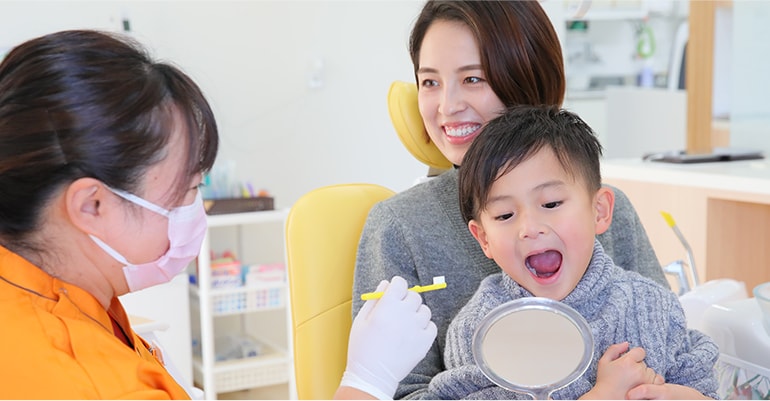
(544, 264)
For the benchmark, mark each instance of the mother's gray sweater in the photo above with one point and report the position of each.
(420, 233)
(618, 305)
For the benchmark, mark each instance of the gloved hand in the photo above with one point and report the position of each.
(389, 337)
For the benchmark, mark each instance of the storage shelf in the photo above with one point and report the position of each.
(210, 299)
(241, 374)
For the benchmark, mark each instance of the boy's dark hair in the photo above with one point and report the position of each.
(514, 137)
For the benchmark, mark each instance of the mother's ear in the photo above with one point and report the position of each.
(604, 202)
(84, 204)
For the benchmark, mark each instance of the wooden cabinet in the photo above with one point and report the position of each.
(722, 209)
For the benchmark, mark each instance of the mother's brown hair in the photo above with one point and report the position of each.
(520, 51)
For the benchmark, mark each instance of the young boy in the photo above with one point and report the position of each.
(530, 191)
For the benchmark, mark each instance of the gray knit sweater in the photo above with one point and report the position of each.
(618, 305)
(419, 234)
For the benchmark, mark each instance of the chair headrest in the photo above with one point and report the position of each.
(405, 115)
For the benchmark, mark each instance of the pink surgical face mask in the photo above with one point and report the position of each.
(186, 230)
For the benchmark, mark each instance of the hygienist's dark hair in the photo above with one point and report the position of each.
(84, 103)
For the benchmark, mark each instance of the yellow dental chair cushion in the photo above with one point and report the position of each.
(323, 229)
(406, 119)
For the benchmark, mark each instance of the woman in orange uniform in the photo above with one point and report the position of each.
(102, 151)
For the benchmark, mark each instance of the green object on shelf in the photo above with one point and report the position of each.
(579, 25)
(645, 47)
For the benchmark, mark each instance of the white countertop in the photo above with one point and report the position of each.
(752, 176)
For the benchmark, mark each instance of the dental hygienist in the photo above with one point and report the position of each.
(102, 151)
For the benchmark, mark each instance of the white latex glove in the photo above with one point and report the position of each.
(389, 337)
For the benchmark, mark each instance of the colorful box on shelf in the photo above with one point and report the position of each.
(254, 275)
(238, 205)
(226, 273)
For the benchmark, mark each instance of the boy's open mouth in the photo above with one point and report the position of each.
(544, 265)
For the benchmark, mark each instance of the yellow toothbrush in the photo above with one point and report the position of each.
(438, 283)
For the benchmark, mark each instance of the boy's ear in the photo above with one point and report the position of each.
(604, 203)
(83, 204)
(477, 230)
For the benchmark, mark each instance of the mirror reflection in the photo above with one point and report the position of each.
(533, 346)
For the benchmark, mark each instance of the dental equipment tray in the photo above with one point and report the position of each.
(718, 155)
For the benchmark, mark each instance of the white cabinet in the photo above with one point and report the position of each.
(614, 10)
(256, 310)
(597, 10)
(592, 108)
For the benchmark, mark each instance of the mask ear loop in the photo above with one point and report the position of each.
(139, 201)
(110, 251)
(133, 199)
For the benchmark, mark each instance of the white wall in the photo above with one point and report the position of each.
(750, 114)
(254, 60)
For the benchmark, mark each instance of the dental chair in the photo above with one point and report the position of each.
(323, 229)
(406, 119)
(322, 233)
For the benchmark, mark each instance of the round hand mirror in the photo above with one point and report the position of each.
(533, 345)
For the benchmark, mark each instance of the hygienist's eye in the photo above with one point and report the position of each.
(473, 80)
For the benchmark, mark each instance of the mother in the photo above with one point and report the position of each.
(471, 61)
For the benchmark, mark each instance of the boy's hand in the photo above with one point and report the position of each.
(664, 391)
(620, 371)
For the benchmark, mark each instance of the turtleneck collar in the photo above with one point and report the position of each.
(598, 275)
